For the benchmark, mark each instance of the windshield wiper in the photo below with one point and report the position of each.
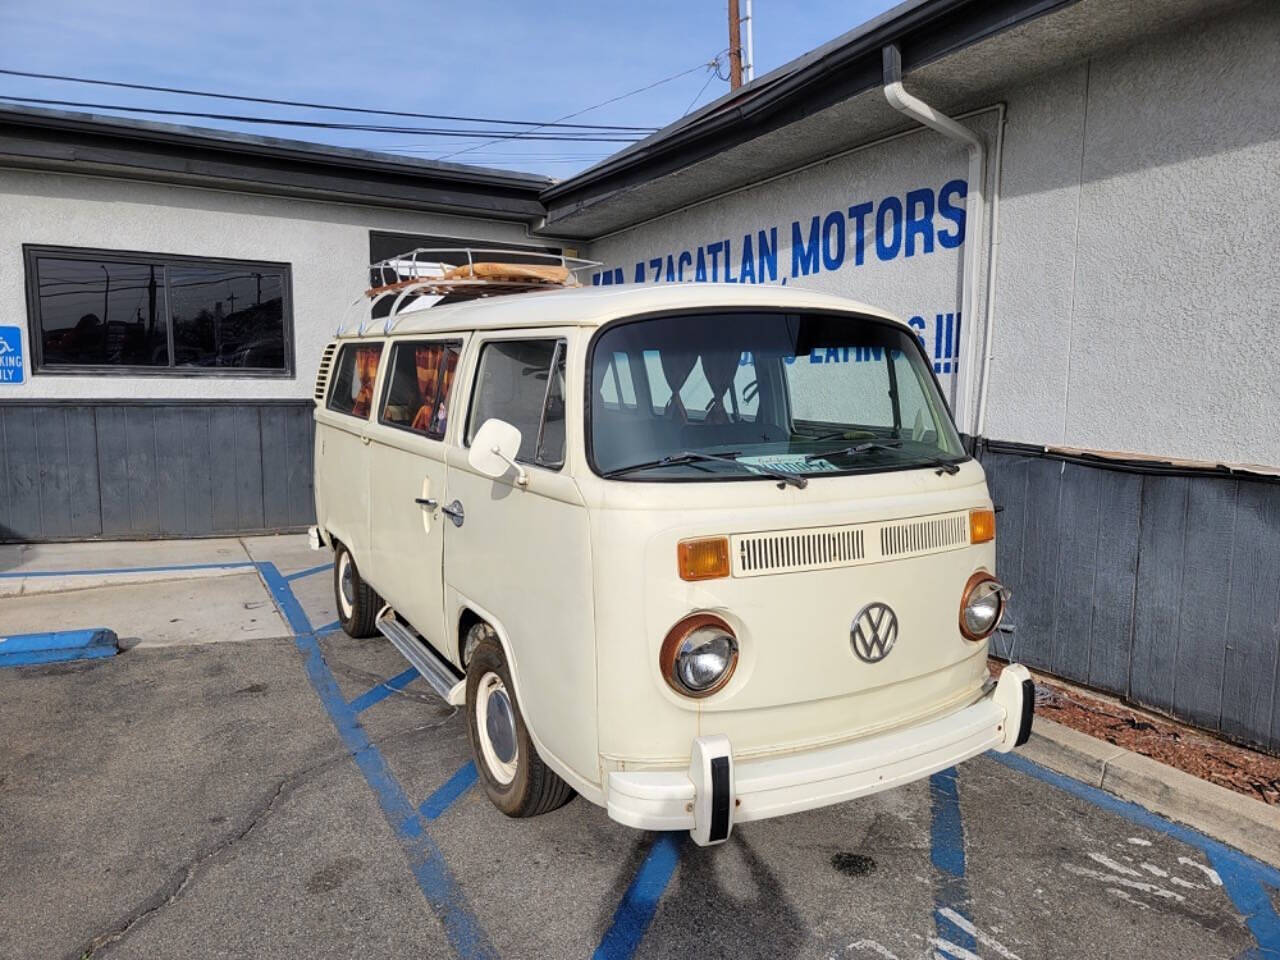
(693, 457)
(944, 466)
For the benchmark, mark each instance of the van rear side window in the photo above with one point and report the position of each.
(522, 382)
(352, 390)
(418, 386)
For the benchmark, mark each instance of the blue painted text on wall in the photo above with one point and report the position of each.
(895, 227)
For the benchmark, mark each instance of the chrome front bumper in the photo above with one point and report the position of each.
(716, 792)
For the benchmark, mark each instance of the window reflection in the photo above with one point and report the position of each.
(102, 313)
(98, 311)
(227, 317)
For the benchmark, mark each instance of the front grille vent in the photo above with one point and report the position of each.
(820, 548)
(322, 375)
(924, 536)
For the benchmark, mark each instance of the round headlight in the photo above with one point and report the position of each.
(981, 606)
(699, 655)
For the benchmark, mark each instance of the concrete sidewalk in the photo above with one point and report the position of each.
(152, 593)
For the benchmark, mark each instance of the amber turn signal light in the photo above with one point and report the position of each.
(703, 559)
(982, 526)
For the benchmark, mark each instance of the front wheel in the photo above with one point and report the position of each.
(515, 779)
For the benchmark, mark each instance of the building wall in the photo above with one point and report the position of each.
(1136, 302)
(113, 456)
(327, 245)
(1135, 284)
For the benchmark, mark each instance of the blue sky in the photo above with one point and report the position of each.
(481, 58)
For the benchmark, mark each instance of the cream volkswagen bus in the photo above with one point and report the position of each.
(701, 553)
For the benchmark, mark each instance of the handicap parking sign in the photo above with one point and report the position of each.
(10, 355)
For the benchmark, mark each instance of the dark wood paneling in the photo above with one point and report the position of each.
(1007, 481)
(153, 469)
(1206, 592)
(1249, 689)
(84, 496)
(171, 471)
(222, 469)
(196, 470)
(113, 472)
(248, 456)
(52, 464)
(275, 471)
(1158, 602)
(24, 471)
(1114, 580)
(1034, 605)
(300, 463)
(1163, 589)
(140, 454)
(1078, 528)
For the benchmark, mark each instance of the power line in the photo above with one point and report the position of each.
(604, 103)
(316, 106)
(603, 137)
(711, 75)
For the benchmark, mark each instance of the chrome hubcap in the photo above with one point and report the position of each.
(496, 724)
(346, 582)
(501, 726)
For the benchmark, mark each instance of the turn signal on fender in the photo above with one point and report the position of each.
(982, 526)
(703, 559)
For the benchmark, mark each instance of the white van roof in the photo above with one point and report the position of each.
(593, 306)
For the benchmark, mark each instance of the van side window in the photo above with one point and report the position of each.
(522, 382)
(352, 390)
(418, 385)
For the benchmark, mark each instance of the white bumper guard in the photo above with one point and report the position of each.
(716, 792)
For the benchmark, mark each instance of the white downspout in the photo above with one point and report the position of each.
(993, 254)
(920, 111)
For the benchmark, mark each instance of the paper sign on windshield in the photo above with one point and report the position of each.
(787, 463)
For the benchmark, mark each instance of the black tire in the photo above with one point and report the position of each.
(357, 612)
(531, 788)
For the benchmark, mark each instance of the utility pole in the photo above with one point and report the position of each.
(749, 68)
(735, 46)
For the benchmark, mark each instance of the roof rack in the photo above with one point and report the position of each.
(423, 277)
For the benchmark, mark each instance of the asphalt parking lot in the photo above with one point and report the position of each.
(299, 794)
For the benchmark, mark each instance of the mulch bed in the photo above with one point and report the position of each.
(1200, 754)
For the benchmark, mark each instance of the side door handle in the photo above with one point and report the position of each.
(454, 512)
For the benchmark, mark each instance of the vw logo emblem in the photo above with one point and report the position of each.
(874, 632)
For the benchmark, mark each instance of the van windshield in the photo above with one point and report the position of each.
(743, 394)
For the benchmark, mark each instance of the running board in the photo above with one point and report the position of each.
(440, 676)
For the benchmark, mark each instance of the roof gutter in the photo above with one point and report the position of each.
(921, 112)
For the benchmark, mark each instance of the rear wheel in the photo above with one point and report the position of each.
(516, 780)
(357, 602)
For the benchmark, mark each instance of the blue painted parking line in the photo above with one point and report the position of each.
(28, 649)
(21, 574)
(310, 571)
(434, 878)
(435, 805)
(634, 914)
(328, 628)
(383, 690)
(1244, 879)
(946, 852)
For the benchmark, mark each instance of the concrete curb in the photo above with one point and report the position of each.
(1247, 824)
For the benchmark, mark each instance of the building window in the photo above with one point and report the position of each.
(95, 311)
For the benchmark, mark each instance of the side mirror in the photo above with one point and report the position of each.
(494, 449)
